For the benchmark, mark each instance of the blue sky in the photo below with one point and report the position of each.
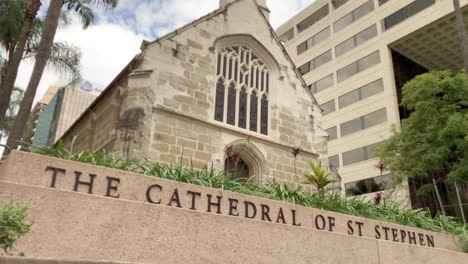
(117, 34)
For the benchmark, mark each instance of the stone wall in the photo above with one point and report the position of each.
(123, 216)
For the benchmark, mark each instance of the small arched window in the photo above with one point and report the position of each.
(242, 89)
(237, 167)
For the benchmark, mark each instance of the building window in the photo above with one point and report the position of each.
(316, 62)
(406, 12)
(356, 40)
(332, 133)
(358, 66)
(242, 89)
(356, 14)
(322, 84)
(372, 185)
(360, 154)
(314, 40)
(338, 3)
(361, 93)
(328, 107)
(334, 160)
(314, 18)
(288, 35)
(364, 122)
(381, 2)
(237, 167)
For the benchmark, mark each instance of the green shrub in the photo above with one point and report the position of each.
(12, 225)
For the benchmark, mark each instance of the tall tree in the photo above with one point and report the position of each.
(64, 58)
(16, 52)
(15, 102)
(433, 141)
(461, 33)
(43, 52)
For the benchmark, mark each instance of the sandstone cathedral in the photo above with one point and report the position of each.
(219, 85)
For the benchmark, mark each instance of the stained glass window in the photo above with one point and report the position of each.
(264, 116)
(244, 84)
(253, 111)
(243, 108)
(219, 106)
(231, 110)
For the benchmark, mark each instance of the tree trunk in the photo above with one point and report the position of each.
(43, 52)
(8, 82)
(461, 33)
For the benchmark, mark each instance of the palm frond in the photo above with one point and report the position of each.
(86, 14)
(11, 16)
(65, 60)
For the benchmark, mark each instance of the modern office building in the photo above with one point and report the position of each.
(355, 56)
(59, 109)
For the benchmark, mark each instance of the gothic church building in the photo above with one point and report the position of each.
(222, 84)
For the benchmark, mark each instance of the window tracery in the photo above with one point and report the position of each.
(242, 89)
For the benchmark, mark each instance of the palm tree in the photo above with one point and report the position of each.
(64, 58)
(15, 102)
(461, 33)
(43, 52)
(16, 46)
(319, 177)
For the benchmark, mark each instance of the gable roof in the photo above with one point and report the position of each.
(222, 10)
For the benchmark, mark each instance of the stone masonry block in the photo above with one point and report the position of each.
(187, 143)
(171, 103)
(185, 99)
(203, 155)
(163, 128)
(164, 138)
(185, 133)
(161, 147)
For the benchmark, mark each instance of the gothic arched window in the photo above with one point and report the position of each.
(237, 167)
(242, 89)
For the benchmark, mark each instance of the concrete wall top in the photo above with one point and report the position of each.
(56, 174)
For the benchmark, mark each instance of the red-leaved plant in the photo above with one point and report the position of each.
(381, 167)
(377, 198)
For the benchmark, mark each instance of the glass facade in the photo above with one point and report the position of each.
(358, 66)
(352, 17)
(328, 107)
(364, 122)
(371, 185)
(406, 12)
(314, 18)
(356, 40)
(360, 154)
(332, 133)
(314, 40)
(316, 62)
(322, 84)
(288, 35)
(361, 93)
(334, 160)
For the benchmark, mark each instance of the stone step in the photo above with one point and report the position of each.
(31, 169)
(77, 226)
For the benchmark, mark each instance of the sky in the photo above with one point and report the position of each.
(116, 36)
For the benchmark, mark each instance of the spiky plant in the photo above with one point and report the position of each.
(319, 177)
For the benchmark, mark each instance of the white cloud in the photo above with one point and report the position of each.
(108, 46)
(105, 48)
